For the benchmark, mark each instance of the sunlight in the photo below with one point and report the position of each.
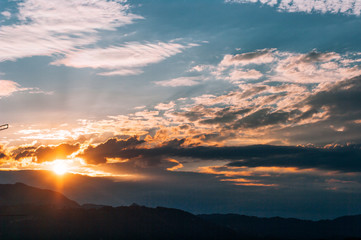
(60, 167)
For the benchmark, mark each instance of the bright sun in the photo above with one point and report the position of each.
(60, 167)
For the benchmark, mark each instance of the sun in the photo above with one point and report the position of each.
(60, 167)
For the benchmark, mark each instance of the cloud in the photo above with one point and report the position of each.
(257, 57)
(253, 105)
(331, 158)
(181, 81)
(112, 148)
(315, 56)
(236, 75)
(122, 72)
(315, 67)
(123, 60)
(263, 112)
(312, 67)
(47, 28)
(134, 150)
(3, 155)
(46, 153)
(349, 7)
(6, 14)
(341, 99)
(69, 30)
(225, 116)
(339, 158)
(251, 167)
(165, 106)
(7, 88)
(297, 91)
(260, 111)
(263, 118)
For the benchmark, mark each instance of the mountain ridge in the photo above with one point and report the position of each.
(32, 213)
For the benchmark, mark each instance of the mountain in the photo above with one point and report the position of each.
(348, 227)
(19, 194)
(110, 223)
(31, 213)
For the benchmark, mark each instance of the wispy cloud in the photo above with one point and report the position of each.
(122, 60)
(349, 7)
(69, 29)
(8, 87)
(257, 57)
(181, 81)
(45, 28)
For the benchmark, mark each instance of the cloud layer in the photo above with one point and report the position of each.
(269, 102)
(334, 167)
(349, 7)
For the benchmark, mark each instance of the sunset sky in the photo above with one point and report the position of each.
(242, 106)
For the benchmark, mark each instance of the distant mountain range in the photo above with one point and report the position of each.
(31, 213)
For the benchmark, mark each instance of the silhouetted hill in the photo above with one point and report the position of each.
(32, 213)
(110, 223)
(21, 194)
(348, 227)
(92, 206)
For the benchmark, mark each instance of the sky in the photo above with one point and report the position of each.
(227, 106)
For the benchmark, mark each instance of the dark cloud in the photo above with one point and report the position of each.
(46, 153)
(346, 158)
(342, 100)
(112, 148)
(184, 127)
(306, 115)
(341, 104)
(215, 136)
(264, 117)
(253, 91)
(2, 155)
(225, 116)
(251, 55)
(315, 56)
(23, 152)
(194, 114)
(341, 158)
(175, 143)
(222, 153)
